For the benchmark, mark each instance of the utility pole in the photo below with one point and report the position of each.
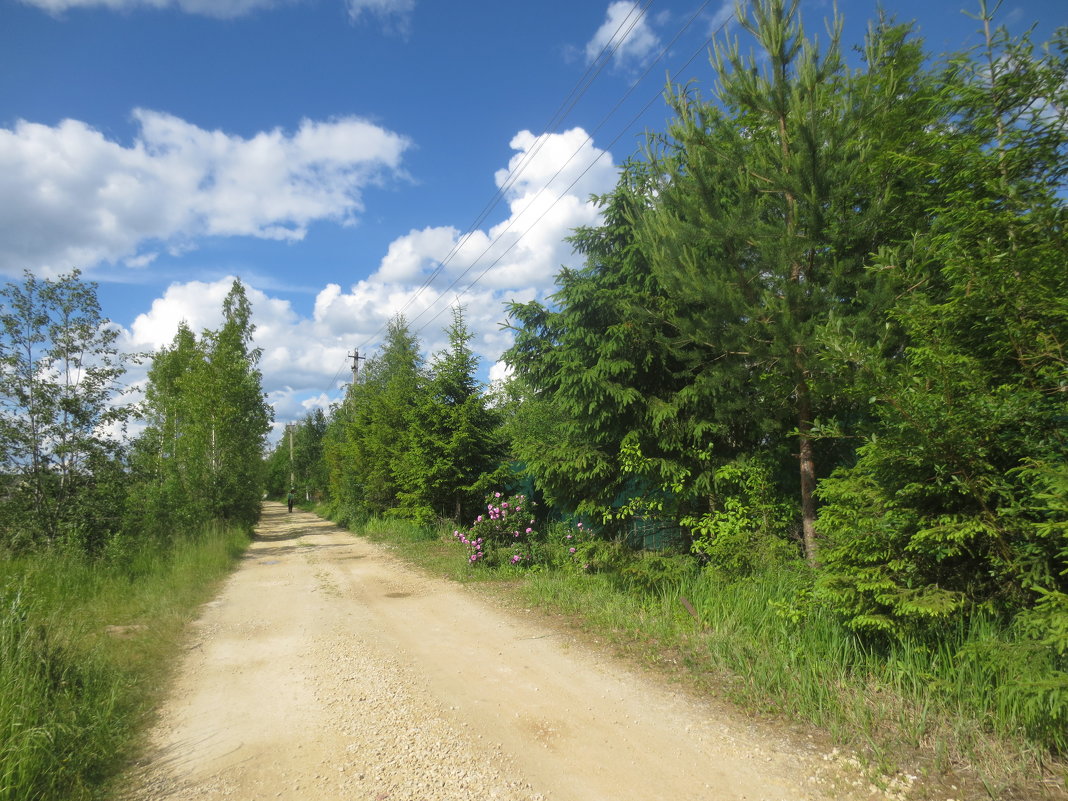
(356, 357)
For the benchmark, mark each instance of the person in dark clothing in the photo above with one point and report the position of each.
(290, 498)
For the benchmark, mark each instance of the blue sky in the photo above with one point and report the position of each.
(332, 153)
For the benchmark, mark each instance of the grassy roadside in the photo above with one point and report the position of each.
(957, 716)
(84, 647)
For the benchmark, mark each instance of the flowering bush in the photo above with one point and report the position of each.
(504, 534)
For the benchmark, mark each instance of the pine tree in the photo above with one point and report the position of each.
(596, 367)
(774, 197)
(956, 502)
(369, 435)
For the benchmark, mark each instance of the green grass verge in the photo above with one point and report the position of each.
(960, 714)
(84, 648)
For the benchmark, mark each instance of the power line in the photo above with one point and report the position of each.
(589, 138)
(593, 70)
(564, 109)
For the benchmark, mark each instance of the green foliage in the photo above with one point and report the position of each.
(955, 503)
(73, 699)
(772, 199)
(298, 460)
(59, 390)
(369, 433)
(410, 441)
(595, 369)
(750, 524)
(657, 573)
(200, 455)
(454, 442)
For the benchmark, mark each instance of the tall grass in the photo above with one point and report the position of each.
(83, 647)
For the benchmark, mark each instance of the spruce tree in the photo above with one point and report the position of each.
(454, 443)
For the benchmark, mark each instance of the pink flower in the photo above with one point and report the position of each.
(570, 550)
(580, 525)
(529, 530)
(479, 519)
(504, 505)
(496, 495)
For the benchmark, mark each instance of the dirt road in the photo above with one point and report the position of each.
(327, 669)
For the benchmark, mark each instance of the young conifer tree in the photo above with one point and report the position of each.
(454, 445)
(773, 197)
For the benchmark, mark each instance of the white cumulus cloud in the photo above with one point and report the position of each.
(626, 29)
(70, 197)
(306, 358)
(547, 185)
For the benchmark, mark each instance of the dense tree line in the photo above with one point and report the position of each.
(413, 439)
(829, 307)
(70, 477)
(823, 319)
(199, 457)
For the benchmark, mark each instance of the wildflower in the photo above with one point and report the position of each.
(479, 519)
(529, 530)
(568, 536)
(580, 525)
(570, 550)
(504, 505)
(516, 558)
(496, 495)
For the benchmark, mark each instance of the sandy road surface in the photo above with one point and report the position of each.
(326, 669)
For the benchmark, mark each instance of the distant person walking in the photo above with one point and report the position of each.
(289, 499)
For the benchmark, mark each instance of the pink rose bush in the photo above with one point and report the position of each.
(504, 534)
(507, 535)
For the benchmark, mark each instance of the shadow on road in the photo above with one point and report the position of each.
(277, 524)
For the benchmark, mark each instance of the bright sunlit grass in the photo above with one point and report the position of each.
(84, 648)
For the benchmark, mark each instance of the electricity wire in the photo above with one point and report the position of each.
(516, 172)
(589, 138)
(593, 70)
